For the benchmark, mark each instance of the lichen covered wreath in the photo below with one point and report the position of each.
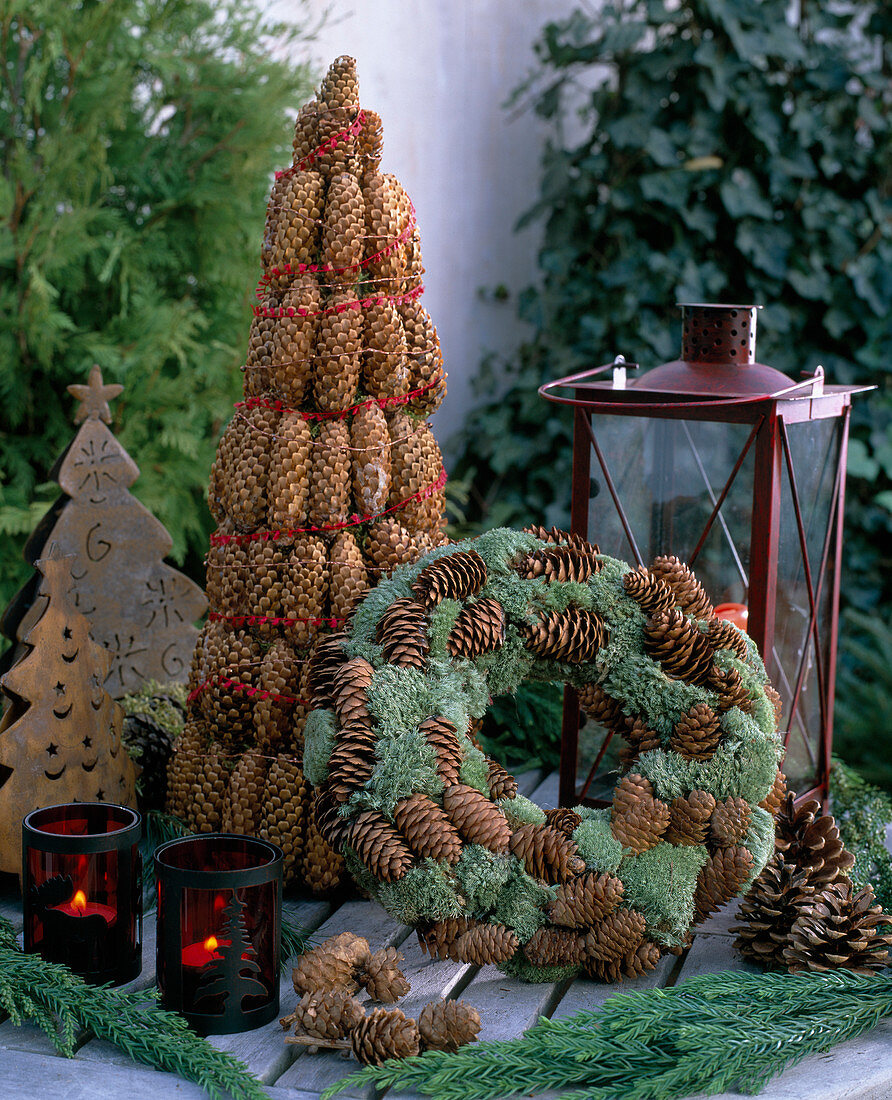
(437, 832)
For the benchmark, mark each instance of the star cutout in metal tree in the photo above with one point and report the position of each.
(94, 398)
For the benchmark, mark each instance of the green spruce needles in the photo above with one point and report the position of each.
(660, 1044)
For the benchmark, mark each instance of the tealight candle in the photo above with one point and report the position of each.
(736, 613)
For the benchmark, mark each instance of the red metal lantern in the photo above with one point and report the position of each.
(740, 472)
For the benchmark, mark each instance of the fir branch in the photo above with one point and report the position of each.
(659, 1044)
(34, 991)
(295, 941)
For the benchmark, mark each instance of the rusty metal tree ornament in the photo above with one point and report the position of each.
(60, 738)
(141, 609)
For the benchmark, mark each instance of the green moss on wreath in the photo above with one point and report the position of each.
(520, 967)
(597, 845)
(760, 841)
(474, 771)
(481, 875)
(660, 884)
(522, 902)
(442, 620)
(520, 811)
(406, 765)
(319, 738)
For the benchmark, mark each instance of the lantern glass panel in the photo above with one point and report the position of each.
(796, 664)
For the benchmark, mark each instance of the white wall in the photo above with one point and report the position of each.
(438, 72)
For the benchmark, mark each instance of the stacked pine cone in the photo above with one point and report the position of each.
(329, 1016)
(803, 913)
(326, 479)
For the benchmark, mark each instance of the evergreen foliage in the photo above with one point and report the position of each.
(136, 144)
(660, 1044)
(62, 1004)
(864, 813)
(707, 150)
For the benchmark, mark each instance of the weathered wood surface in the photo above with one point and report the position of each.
(31, 1070)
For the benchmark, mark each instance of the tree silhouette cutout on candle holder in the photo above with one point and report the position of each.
(229, 976)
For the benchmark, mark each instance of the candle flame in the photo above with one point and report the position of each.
(211, 944)
(79, 902)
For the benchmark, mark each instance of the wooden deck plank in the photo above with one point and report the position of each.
(712, 954)
(506, 1006)
(314, 1072)
(528, 781)
(585, 995)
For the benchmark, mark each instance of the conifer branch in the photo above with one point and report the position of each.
(61, 1004)
(660, 1044)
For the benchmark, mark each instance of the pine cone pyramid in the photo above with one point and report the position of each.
(436, 830)
(326, 479)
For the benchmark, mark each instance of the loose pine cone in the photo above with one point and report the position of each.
(652, 595)
(479, 628)
(454, 577)
(811, 840)
(476, 818)
(768, 911)
(730, 822)
(563, 819)
(441, 735)
(555, 947)
(484, 944)
(402, 634)
(585, 900)
(325, 1014)
(720, 879)
(427, 829)
(448, 1025)
(547, 854)
(697, 733)
(380, 846)
(676, 642)
(689, 818)
(837, 929)
(573, 636)
(689, 593)
(333, 965)
(385, 1033)
(559, 563)
(382, 977)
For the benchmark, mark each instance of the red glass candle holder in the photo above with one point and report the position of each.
(219, 929)
(82, 889)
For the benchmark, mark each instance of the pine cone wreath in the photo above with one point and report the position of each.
(476, 818)
(559, 563)
(697, 733)
(426, 829)
(546, 854)
(563, 819)
(478, 629)
(602, 708)
(774, 698)
(325, 1014)
(689, 818)
(402, 634)
(731, 690)
(385, 1033)
(448, 1025)
(725, 635)
(557, 537)
(811, 840)
(485, 944)
(638, 820)
(382, 977)
(614, 936)
(501, 782)
(333, 965)
(328, 656)
(677, 644)
(652, 595)
(442, 736)
(438, 939)
(454, 577)
(720, 879)
(837, 929)
(573, 636)
(688, 591)
(585, 900)
(769, 910)
(639, 738)
(380, 847)
(350, 765)
(555, 947)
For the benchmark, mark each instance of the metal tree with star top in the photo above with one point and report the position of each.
(60, 737)
(141, 609)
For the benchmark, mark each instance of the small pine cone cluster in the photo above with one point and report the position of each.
(638, 819)
(585, 900)
(675, 641)
(838, 929)
(652, 595)
(454, 577)
(573, 636)
(325, 1014)
(563, 819)
(810, 839)
(697, 733)
(334, 965)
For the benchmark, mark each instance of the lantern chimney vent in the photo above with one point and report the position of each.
(718, 333)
